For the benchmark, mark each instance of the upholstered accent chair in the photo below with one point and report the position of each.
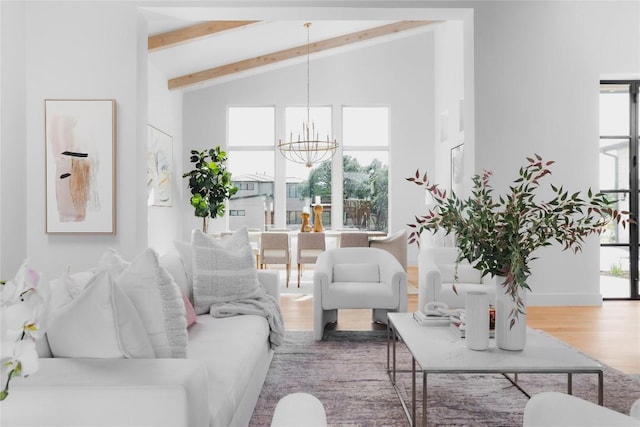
(551, 408)
(310, 245)
(395, 243)
(436, 278)
(355, 239)
(357, 278)
(275, 249)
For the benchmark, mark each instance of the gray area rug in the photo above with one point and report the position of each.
(347, 372)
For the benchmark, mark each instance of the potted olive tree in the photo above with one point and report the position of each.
(499, 236)
(210, 184)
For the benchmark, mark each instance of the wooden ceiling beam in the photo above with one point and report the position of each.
(294, 52)
(172, 38)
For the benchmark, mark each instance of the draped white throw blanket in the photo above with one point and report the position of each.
(264, 305)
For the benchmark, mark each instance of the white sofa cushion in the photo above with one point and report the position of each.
(223, 269)
(110, 392)
(156, 297)
(101, 322)
(236, 366)
(356, 273)
(359, 295)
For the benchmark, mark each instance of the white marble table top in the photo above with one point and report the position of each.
(438, 349)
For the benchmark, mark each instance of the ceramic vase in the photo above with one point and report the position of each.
(508, 337)
(477, 320)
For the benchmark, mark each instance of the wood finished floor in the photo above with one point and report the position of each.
(610, 333)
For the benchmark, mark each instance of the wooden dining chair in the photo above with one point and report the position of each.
(274, 249)
(310, 245)
(355, 239)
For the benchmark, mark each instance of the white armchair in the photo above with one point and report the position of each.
(436, 277)
(559, 409)
(357, 278)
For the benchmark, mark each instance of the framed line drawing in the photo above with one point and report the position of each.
(457, 169)
(80, 166)
(159, 167)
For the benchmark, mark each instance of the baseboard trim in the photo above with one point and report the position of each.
(540, 299)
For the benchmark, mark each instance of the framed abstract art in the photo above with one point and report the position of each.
(80, 166)
(159, 167)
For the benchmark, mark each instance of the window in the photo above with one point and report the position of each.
(364, 150)
(619, 124)
(251, 163)
(365, 167)
(242, 186)
(293, 190)
(308, 182)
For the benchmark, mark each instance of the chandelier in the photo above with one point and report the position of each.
(308, 149)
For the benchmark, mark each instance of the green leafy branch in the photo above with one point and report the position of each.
(499, 236)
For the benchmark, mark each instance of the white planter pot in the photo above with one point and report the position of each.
(509, 338)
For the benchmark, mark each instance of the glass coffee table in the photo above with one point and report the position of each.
(437, 350)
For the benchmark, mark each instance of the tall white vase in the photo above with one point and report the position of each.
(477, 320)
(509, 338)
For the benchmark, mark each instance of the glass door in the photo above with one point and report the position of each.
(619, 179)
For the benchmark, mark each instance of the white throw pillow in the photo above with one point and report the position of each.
(156, 297)
(101, 322)
(356, 273)
(69, 286)
(186, 255)
(223, 269)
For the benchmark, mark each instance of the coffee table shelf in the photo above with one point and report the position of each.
(436, 350)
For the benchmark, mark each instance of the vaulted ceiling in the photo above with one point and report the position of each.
(204, 53)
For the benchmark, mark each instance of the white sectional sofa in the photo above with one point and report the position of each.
(218, 383)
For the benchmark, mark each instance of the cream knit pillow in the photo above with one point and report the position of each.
(224, 270)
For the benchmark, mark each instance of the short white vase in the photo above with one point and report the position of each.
(477, 320)
(507, 337)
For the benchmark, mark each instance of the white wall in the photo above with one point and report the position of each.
(397, 74)
(449, 91)
(13, 154)
(538, 66)
(165, 114)
(85, 51)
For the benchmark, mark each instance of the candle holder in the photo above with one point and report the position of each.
(306, 227)
(317, 223)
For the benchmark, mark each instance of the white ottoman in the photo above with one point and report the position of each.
(299, 409)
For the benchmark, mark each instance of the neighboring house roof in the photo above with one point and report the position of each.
(252, 177)
(260, 177)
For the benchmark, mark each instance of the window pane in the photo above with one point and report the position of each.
(303, 183)
(365, 126)
(614, 110)
(614, 272)
(365, 193)
(294, 117)
(303, 192)
(251, 126)
(614, 164)
(252, 172)
(614, 232)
